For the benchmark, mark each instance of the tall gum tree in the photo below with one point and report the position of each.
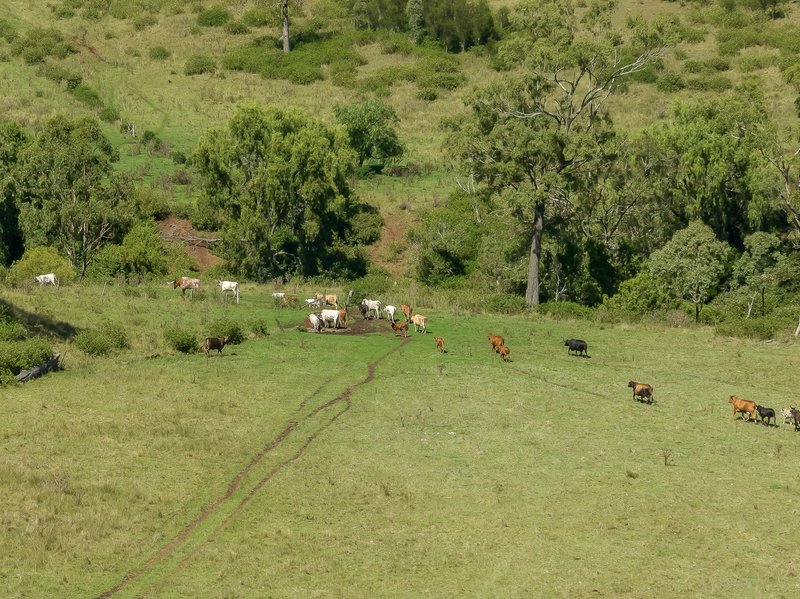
(530, 138)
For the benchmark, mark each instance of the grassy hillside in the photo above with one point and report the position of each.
(299, 465)
(136, 64)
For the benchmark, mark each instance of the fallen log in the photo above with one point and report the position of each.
(39, 370)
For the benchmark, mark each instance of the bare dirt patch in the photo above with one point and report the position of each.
(356, 325)
(197, 243)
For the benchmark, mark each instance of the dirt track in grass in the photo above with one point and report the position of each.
(342, 401)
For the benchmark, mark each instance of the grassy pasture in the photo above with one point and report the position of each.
(281, 469)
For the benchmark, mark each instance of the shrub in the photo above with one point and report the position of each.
(670, 82)
(374, 283)
(178, 157)
(109, 114)
(216, 16)
(260, 17)
(11, 331)
(181, 339)
(236, 28)
(566, 311)
(7, 31)
(764, 327)
(37, 261)
(100, 341)
(38, 44)
(260, 328)
(199, 64)
(159, 53)
(16, 356)
(84, 93)
(225, 327)
(143, 22)
(505, 303)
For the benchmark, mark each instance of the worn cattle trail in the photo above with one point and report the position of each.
(223, 507)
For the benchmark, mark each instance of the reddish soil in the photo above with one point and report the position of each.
(356, 325)
(197, 243)
(394, 229)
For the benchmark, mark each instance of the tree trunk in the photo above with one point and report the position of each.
(797, 330)
(285, 15)
(750, 304)
(532, 291)
(697, 313)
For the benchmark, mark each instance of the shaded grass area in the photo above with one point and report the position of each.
(445, 475)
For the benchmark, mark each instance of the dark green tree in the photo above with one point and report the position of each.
(529, 139)
(691, 265)
(280, 182)
(69, 196)
(752, 269)
(370, 128)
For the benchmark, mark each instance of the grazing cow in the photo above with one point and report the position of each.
(496, 341)
(279, 296)
(232, 286)
(420, 323)
(400, 327)
(186, 283)
(330, 318)
(641, 390)
(796, 418)
(390, 310)
(372, 306)
(577, 345)
(316, 322)
(48, 279)
(765, 414)
(505, 353)
(364, 311)
(745, 406)
(343, 317)
(217, 343)
(406, 310)
(787, 415)
(332, 300)
(440, 344)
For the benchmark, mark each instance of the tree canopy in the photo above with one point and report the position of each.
(370, 128)
(280, 182)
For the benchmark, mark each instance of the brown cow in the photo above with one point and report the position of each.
(505, 353)
(496, 341)
(400, 327)
(186, 283)
(406, 309)
(745, 406)
(641, 390)
(217, 343)
(343, 317)
(440, 344)
(332, 300)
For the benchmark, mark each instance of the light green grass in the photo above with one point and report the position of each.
(448, 475)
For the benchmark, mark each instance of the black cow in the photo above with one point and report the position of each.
(577, 345)
(765, 414)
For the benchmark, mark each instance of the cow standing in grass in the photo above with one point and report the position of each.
(214, 343)
(232, 286)
(185, 283)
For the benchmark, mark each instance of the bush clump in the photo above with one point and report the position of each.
(199, 64)
(100, 341)
(566, 311)
(38, 44)
(216, 16)
(109, 114)
(225, 327)
(259, 17)
(37, 261)
(143, 22)
(181, 339)
(16, 356)
(159, 53)
(236, 28)
(84, 93)
(505, 303)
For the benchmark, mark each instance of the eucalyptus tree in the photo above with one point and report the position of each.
(530, 138)
(13, 139)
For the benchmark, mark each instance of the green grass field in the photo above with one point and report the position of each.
(302, 465)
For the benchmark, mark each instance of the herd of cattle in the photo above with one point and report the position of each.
(337, 317)
(751, 409)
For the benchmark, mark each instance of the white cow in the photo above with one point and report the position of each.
(50, 278)
(313, 302)
(390, 310)
(372, 305)
(315, 321)
(330, 316)
(279, 295)
(232, 286)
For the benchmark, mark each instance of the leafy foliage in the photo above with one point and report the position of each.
(691, 265)
(38, 261)
(199, 64)
(16, 356)
(216, 16)
(370, 128)
(102, 340)
(181, 339)
(226, 327)
(280, 181)
(39, 44)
